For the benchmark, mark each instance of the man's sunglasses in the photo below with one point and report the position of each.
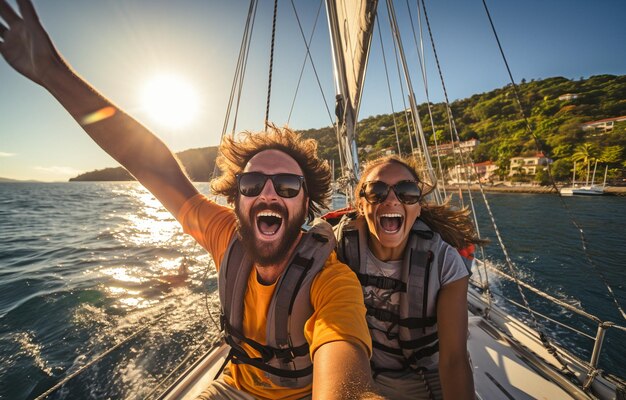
(251, 184)
(375, 192)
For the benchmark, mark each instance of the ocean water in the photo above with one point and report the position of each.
(85, 267)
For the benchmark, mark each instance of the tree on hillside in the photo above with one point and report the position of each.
(562, 151)
(586, 152)
(542, 177)
(561, 170)
(611, 155)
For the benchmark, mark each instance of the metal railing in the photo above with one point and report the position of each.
(602, 326)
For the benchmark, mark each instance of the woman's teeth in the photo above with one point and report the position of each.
(391, 222)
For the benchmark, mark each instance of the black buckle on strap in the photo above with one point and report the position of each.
(382, 282)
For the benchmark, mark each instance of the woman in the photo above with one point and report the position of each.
(414, 282)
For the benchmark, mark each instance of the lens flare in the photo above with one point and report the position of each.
(99, 115)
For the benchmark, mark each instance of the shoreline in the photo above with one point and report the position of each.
(608, 191)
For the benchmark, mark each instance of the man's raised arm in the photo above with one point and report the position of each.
(26, 46)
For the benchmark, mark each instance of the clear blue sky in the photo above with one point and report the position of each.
(119, 46)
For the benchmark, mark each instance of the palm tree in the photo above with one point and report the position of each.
(587, 153)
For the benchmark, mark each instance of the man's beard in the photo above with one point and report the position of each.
(266, 254)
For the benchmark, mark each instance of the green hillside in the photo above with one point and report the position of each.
(494, 118)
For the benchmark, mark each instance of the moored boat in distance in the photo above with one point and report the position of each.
(586, 189)
(590, 190)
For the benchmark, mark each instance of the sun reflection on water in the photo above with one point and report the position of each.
(151, 224)
(122, 274)
(155, 259)
(119, 291)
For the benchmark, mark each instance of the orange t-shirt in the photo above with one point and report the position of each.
(336, 297)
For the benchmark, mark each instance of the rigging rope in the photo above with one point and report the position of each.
(271, 69)
(539, 146)
(455, 137)
(241, 61)
(237, 85)
(409, 127)
(544, 339)
(308, 56)
(421, 57)
(393, 114)
(420, 138)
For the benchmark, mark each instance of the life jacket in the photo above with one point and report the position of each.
(285, 357)
(417, 326)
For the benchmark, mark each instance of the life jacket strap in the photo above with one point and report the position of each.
(387, 349)
(350, 249)
(388, 316)
(378, 370)
(226, 360)
(381, 282)
(286, 296)
(423, 352)
(267, 352)
(241, 357)
(420, 342)
(410, 345)
(407, 363)
(419, 275)
(423, 234)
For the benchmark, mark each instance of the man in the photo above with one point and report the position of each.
(274, 180)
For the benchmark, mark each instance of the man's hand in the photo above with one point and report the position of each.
(24, 43)
(26, 46)
(341, 370)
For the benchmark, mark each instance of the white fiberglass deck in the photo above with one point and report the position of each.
(502, 371)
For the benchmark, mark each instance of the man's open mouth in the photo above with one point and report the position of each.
(391, 222)
(268, 222)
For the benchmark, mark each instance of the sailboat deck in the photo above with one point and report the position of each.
(504, 370)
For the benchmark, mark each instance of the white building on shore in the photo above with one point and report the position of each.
(528, 165)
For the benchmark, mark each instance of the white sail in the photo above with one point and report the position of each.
(351, 23)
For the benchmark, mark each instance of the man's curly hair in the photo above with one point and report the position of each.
(235, 154)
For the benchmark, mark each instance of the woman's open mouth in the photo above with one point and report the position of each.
(391, 222)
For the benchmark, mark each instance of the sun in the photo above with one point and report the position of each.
(170, 101)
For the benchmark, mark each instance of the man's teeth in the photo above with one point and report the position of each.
(269, 214)
(269, 222)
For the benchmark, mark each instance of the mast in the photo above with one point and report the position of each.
(593, 177)
(417, 123)
(351, 24)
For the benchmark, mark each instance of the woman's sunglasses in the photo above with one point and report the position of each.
(375, 192)
(251, 184)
